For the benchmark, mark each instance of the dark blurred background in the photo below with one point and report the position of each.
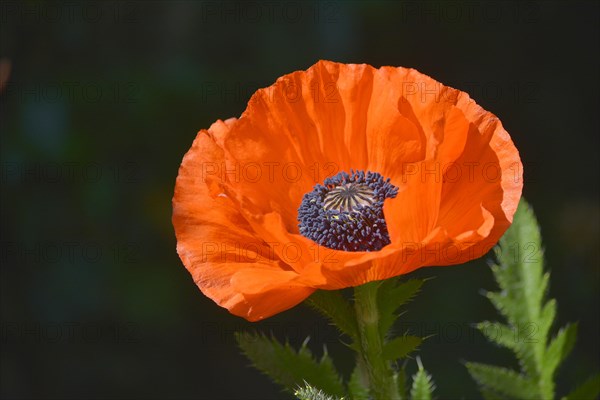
(104, 99)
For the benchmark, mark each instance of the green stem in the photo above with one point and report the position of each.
(382, 381)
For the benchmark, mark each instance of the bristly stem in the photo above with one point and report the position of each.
(382, 381)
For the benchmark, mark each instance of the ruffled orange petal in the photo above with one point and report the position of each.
(491, 178)
(214, 241)
(268, 292)
(413, 213)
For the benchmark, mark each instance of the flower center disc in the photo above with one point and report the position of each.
(348, 197)
(346, 212)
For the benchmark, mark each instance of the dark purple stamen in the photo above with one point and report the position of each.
(346, 212)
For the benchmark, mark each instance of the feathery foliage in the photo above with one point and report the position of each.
(400, 347)
(308, 392)
(358, 385)
(290, 368)
(423, 386)
(392, 295)
(333, 305)
(529, 316)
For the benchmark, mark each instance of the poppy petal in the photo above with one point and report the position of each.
(214, 241)
(268, 292)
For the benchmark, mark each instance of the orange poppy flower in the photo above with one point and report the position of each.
(336, 176)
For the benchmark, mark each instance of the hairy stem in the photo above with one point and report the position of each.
(382, 382)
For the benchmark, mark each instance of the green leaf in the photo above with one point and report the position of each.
(423, 386)
(520, 270)
(547, 317)
(289, 368)
(308, 392)
(560, 348)
(503, 381)
(400, 347)
(523, 285)
(529, 315)
(333, 305)
(498, 333)
(516, 339)
(589, 390)
(358, 385)
(391, 296)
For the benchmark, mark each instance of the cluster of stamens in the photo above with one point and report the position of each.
(346, 212)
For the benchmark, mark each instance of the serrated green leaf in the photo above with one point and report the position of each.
(391, 296)
(520, 269)
(400, 347)
(524, 338)
(515, 339)
(503, 381)
(333, 305)
(589, 390)
(547, 317)
(288, 367)
(559, 348)
(423, 386)
(308, 392)
(522, 301)
(358, 385)
(498, 333)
